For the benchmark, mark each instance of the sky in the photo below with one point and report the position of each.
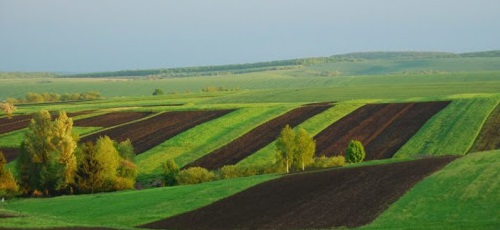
(106, 35)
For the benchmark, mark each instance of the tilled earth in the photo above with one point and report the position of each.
(382, 128)
(257, 138)
(148, 133)
(348, 197)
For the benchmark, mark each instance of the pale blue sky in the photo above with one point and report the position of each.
(104, 35)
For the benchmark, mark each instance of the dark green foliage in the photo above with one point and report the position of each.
(8, 185)
(158, 92)
(195, 175)
(87, 178)
(355, 152)
(170, 172)
(125, 149)
(47, 162)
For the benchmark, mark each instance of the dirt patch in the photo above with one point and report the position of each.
(348, 197)
(22, 121)
(257, 138)
(382, 128)
(110, 119)
(148, 133)
(489, 137)
(10, 153)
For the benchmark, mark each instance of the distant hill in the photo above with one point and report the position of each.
(360, 63)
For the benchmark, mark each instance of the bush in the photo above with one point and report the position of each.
(328, 162)
(355, 152)
(195, 175)
(170, 172)
(233, 171)
(8, 185)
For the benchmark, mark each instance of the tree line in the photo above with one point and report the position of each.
(54, 97)
(52, 162)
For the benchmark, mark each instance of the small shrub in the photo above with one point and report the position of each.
(328, 162)
(195, 175)
(355, 152)
(122, 183)
(170, 172)
(233, 171)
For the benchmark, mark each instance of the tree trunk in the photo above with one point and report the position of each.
(287, 170)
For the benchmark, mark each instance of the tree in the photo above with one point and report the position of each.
(8, 108)
(285, 146)
(108, 157)
(158, 92)
(305, 147)
(87, 177)
(125, 149)
(8, 185)
(355, 152)
(170, 172)
(47, 162)
(65, 145)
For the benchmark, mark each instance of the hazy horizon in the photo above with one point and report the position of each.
(91, 36)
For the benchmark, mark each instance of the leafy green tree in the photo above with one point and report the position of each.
(195, 175)
(108, 157)
(305, 147)
(47, 162)
(8, 185)
(87, 177)
(285, 146)
(125, 149)
(170, 172)
(355, 152)
(158, 92)
(8, 108)
(64, 141)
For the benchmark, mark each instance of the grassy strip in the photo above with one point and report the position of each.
(200, 140)
(451, 131)
(464, 194)
(122, 209)
(313, 125)
(13, 139)
(488, 138)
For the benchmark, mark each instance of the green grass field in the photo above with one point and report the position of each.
(202, 139)
(314, 125)
(121, 209)
(463, 195)
(451, 131)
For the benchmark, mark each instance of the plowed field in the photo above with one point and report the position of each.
(382, 128)
(489, 137)
(10, 153)
(148, 133)
(257, 138)
(345, 197)
(110, 119)
(22, 121)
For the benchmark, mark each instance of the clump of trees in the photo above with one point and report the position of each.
(8, 185)
(210, 89)
(355, 152)
(54, 97)
(8, 108)
(295, 150)
(158, 92)
(50, 162)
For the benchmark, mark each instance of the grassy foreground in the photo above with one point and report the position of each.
(463, 195)
(120, 209)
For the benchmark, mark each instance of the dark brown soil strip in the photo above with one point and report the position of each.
(10, 153)
(489, 137)
(348, 197)
(148, 133)
(382, 128)
(111, 119)
(257, 138)
(22, 121)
